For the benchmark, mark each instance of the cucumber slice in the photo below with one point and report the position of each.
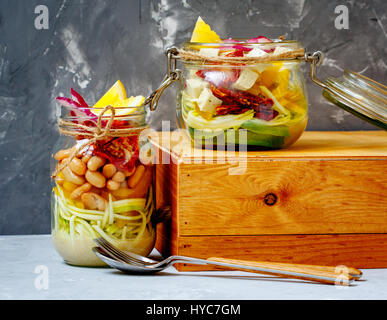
(231, 136)
(204, 134)
(255, 139)
(259, 128)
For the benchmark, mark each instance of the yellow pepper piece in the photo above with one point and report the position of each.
(294, 100)
(69, 186)
(282, 81)
(79, 204)
(203, 33)
(205, 114)
(268, 76)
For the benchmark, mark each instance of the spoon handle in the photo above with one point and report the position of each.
(324, 274)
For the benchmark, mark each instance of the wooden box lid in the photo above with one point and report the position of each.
(311, 145)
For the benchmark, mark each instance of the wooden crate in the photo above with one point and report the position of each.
(321, 201)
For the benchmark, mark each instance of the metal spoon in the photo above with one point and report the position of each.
(133, 266)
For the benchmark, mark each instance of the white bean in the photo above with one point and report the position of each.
(72, 177)
(95, 162)
(136, 177)
(93, 201)
(78, 167)
(96, 178)
(119, 177)
(109, 170)
(112, 185)
(80, 190)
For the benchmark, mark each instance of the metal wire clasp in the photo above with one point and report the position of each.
(173, 74)
(315, 60)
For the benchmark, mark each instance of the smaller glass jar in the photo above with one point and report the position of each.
(267, 99)
(105, 190)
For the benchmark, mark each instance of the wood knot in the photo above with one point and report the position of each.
(270, 199)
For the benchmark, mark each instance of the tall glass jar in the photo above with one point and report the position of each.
(219, 98)
(106, 190)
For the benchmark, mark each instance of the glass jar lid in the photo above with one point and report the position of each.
(359, 95)
(353, 92)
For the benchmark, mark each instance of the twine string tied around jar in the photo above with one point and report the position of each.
(187, 55)
(96, 133)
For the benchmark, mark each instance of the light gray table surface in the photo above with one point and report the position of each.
(22, 259)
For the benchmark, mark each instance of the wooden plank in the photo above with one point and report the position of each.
(352, 250)
(167, 194)
(284, 197)
(162, 185)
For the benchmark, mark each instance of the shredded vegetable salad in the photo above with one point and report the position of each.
(265, 99)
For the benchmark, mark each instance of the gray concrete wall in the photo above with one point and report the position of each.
(91, 43)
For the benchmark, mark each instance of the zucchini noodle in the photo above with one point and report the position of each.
(123, 237)
(105, 217)
(86, 216)
(111, 212)
(72, 231)
(56, 213)
(79, 210)
(87, 227)
(62, 210)
(105, 235)
(142, 227)
(129, 218)
(87, 223)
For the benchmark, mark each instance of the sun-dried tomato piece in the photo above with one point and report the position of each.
(239, 97)
(237, 102)
(231, 109)
(123, 152)
(235, 53)
(266, 115)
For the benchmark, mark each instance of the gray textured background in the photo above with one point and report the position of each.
(92, 43)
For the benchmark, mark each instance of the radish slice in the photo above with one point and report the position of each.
(259, 39)
(77, 103)
(78, 98)
(237, 47)
(230, 40)
(76, 109)
(67, 102)
(243, 48)
(262, 39)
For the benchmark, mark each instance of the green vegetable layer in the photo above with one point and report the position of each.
(232, 136)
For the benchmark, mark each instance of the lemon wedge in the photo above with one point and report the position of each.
(116, 97)
(113, 95)
(130, 103)
(203, 33)
(124, 107)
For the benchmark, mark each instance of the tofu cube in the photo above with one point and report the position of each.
(210, 52)
(260, 67)
(246, 80)
(192, 73)
(207, 101)
(256, 52)
(195, 87)
(280, 50)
